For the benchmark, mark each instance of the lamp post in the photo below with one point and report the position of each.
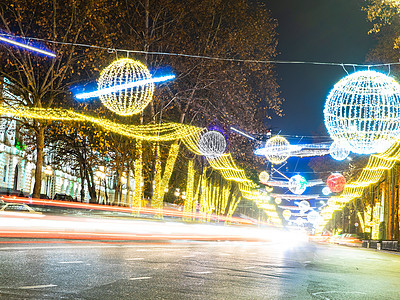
(48, 171)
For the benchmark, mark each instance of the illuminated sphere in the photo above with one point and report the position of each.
(277, 149)
(313, 217)
(363, 110)
(278, 201)
(264, 177)
(297, 184)
(336, 182)
(130, 101)
(326, 191)
(287, 214)
(212, 144)
(338, 151)
(304, 205)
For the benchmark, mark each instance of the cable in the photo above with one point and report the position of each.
(109, 49)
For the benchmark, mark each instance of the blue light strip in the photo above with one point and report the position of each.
(15, 43)
(124, 86)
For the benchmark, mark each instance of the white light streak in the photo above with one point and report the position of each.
(124, 86)
(15, 43)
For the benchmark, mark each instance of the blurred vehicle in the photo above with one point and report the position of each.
(18, 207)
(63, 197)
(347, 239)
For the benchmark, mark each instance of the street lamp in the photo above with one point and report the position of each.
(48, 171)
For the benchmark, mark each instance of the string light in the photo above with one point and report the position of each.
(363, 110)
(278, 150)
(26, 46)
(264, 177)
(336, 182)
(326, 191)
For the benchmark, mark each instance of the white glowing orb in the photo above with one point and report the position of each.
(212, 144)
(287, 214)
(326, 191)
(264, 177)
(313, 217)
(304, 205)
(338, 150)
(278, 200)
(297, 184)
(128, 101)
(363, 109)
(277, 149)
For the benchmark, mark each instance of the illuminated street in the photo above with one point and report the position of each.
(195, 270)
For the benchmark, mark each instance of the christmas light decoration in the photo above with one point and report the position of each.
(326, 191)
(313, 217)
(118, 96)
(278, 200)
(212, 144)
(338, 151)
(363, 109)
(264, 177)
(295, 197)
(336, 182)
(304, 205)
(297, 184)
(276, 149)
(287, 214)
(26, 46)
(299, 150)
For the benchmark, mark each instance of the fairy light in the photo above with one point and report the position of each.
(26, 46)
(190, 204)
(264, 177)
(363, 109)
(297, 184)
(336, 182)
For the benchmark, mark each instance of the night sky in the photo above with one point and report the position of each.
(315, 30)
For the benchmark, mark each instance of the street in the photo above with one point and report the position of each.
(194, 270)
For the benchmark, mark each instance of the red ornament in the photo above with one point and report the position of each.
(336, 182)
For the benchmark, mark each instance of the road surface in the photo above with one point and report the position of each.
(195, 270)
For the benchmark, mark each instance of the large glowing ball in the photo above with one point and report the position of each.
(212, 144)
(297, 184)
(277, 149)
(313, 217)
(336, 182)
(278, 200)
(264, 177)
(304, 205)
(338, 150)
(363, 109)
(287, 214)
(130, 101)
(326, 191)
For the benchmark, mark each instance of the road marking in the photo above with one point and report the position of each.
(37, 286)
(189, 256)
(250, 267)
(71, 262)
(135, 258)
(204, 272)
(139, 278)
(336, 292)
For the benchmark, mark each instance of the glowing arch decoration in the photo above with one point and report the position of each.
(264, 177)
(326, 191)
(336, 182)
(287, 214)
(212, 144)
(338, 150)
(277, 149)
(304, 205)
(363, 109)
(297, 184)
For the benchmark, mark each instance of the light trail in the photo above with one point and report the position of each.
(22, 45)
(124, 86)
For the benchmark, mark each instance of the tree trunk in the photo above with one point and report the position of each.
(39, 162)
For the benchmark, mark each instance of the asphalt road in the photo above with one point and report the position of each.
(195, 270)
